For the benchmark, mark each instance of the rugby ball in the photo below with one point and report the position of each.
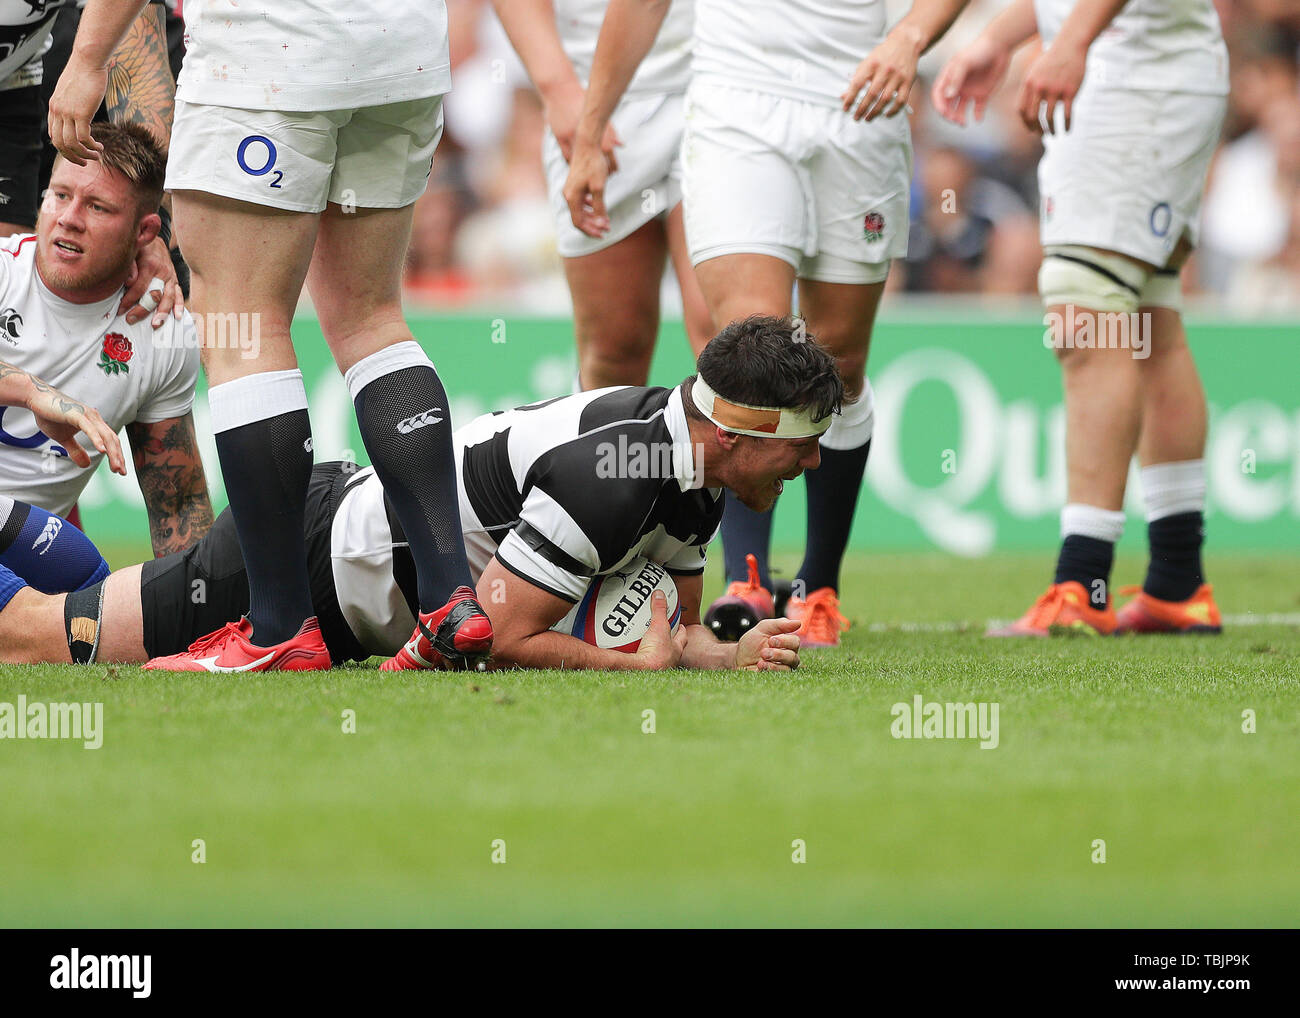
(614, 613)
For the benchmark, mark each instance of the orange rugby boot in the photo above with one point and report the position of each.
(1147, 614)
(819, 618)
(1065, 608)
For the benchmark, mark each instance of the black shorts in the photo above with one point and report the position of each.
(22, 115)
(194, 592)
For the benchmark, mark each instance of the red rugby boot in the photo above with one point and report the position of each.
(229, 649)
(458, 636)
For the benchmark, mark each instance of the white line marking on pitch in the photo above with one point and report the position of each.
(1249, 619)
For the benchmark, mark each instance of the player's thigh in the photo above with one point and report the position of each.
(245, 259)
(246, 189)
(250, 257)
(736, 286)
(695, 310)
(631, 269)
(121, 630)
(841, 316)
(355, 278)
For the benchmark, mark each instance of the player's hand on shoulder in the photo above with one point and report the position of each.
(660, 647)
(884, 79)
(1054, 77)
(970, 76)
(771, 646)
(152, 287)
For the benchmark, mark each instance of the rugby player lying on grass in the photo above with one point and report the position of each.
(551, 495)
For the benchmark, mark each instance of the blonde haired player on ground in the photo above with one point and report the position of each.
(796, 167)
(616, 337)
(304, 132)
(1131, 98)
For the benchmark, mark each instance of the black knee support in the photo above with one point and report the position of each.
(81, 619)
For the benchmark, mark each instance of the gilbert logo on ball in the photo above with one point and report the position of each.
(615, 612)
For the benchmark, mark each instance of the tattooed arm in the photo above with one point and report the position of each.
(170, 473)
(60, 416)
(141, 89)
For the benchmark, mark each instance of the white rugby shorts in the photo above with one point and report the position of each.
(373, 157)
(1129, 174)
(647, 183)
(801, 181)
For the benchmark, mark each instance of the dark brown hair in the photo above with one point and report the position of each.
(763, 360)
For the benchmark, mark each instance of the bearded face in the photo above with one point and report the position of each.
(87, 232)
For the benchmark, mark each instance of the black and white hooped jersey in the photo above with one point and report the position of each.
(25, 27)
(558, 491)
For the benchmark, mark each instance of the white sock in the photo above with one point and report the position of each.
(1090, 521)
(1172, 488)
(853, 425)
(408, 354)
(255, 398)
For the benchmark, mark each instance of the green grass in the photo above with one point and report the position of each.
(1134, 741)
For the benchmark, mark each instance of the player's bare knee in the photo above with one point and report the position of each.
(31, 629)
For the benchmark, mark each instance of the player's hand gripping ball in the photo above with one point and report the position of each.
(614, 613)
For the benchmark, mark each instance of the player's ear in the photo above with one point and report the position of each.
(726, 439)
(147, 230)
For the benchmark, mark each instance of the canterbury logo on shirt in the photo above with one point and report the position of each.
(52, 527)
(418, 421)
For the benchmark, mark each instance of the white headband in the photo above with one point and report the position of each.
(759, 421)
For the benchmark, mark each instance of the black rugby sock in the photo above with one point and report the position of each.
(833, 490)
(267, 466)
(1175, 571)
(406, 426)
(1087, 560)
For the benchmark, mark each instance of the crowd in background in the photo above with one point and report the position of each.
(484, 232)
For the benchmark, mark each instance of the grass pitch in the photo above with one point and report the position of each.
(1137, 742)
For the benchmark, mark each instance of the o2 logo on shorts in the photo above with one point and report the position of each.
(263, 148)
(1161, 217)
